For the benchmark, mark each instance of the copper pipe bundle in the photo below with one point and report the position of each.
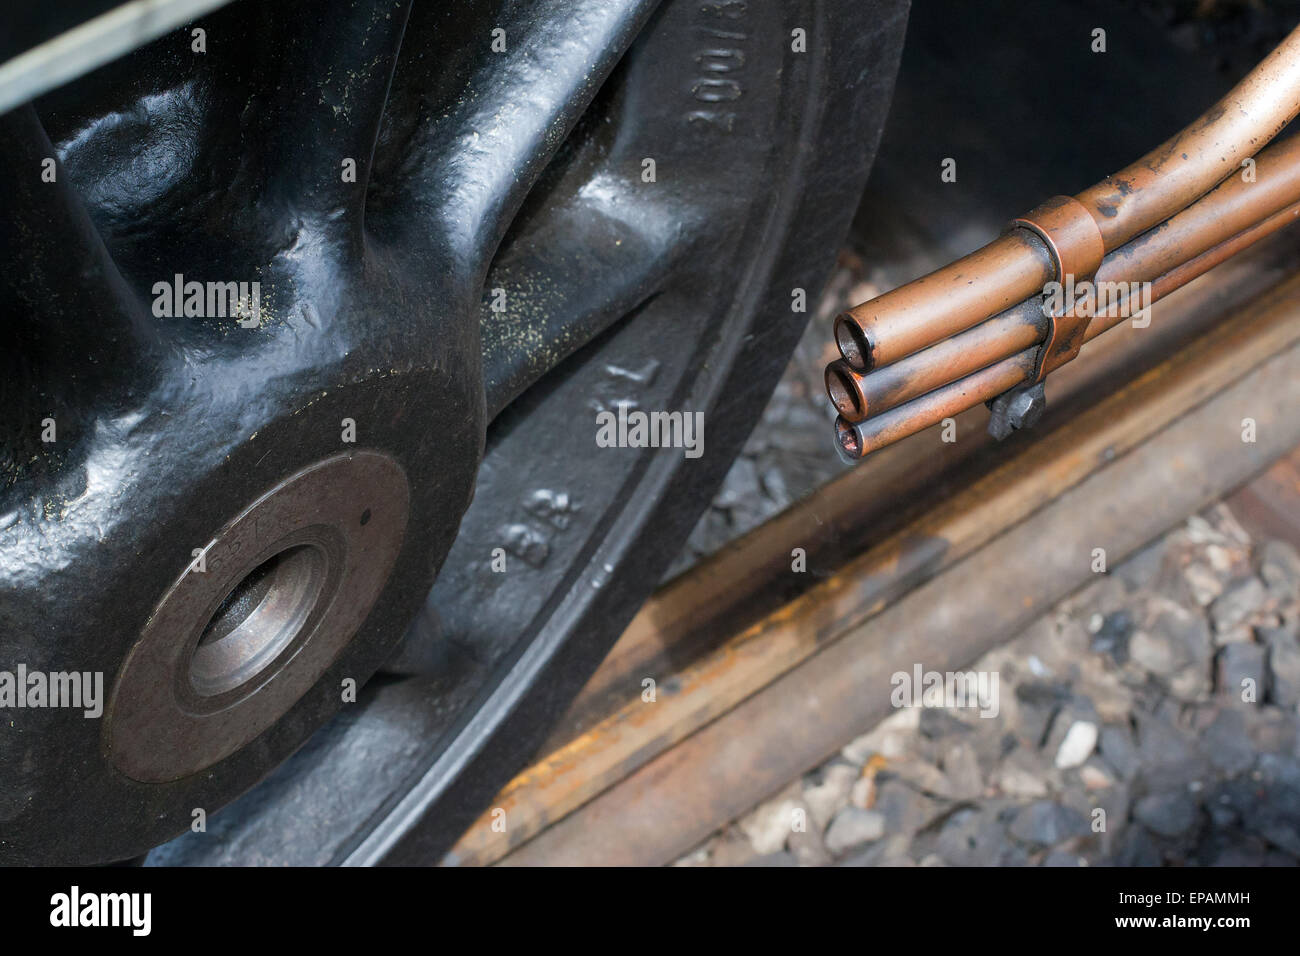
(1226, 214)
(979, 327)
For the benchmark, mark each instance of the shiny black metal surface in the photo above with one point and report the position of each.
(500, 270)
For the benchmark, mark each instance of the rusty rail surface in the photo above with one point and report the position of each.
(982, 329)
(675, 761)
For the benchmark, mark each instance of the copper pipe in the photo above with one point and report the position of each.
(1194, 268)
(856, 395)
(857, 439)
(860, 438)
(1006, 271)
(1232, 207)
(1124, 205)
(1230, 214)
(904, 418)
(1175, 173)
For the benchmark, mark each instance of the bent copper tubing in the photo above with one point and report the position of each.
(1144, 194)
(904, 418)
(859, 438)
(1194, 268)
(1006, 271)
(1175, 173)
(1221, 223)
(857, 395)
(1230, 208)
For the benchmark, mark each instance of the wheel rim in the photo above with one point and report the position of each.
(499, 651)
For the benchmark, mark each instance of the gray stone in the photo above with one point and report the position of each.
(800, 438)
(826, 795)
(1205, 586)
(971, 838)
(1277, 770)
(1241, 634)
(891, 851)
(1227, 527)
(768, 826)
(1291, 620)
(1060, 858)
(1168, 756)
(1275, 633)
(740, 486)
(1140, 570)
(1117, 749)
(1271, 730)
(1241, 673)
(1104, 594)
(1175, 645)
(1046, 823)
(1283, 667)
(1225, 560)
(1279, 566)
(1236, 857)
(1222, 814)
(776, 487)
(962, 769)
(1267, 801)
(936, 723)
(1112, 637)
(1275, 813)
(920, 775)
(1137, 849)
(1170, 580)
(1021, 774)
(808, 848)
(853, 826)
(1227, 744)
(891, 738)
(1116, 804)
(1239, 601)
(1170, 814)
(905, 810)
(1037, 703)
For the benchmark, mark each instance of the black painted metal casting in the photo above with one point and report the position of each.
(302, 339)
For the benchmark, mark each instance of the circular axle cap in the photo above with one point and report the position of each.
(258, 616)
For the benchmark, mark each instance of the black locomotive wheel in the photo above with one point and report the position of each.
(558, 210)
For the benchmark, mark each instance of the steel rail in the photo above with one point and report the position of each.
(739, 664)
(1122, 206)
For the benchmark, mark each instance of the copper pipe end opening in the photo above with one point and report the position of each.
(846, 437)
(841, 391)
(853, 342)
